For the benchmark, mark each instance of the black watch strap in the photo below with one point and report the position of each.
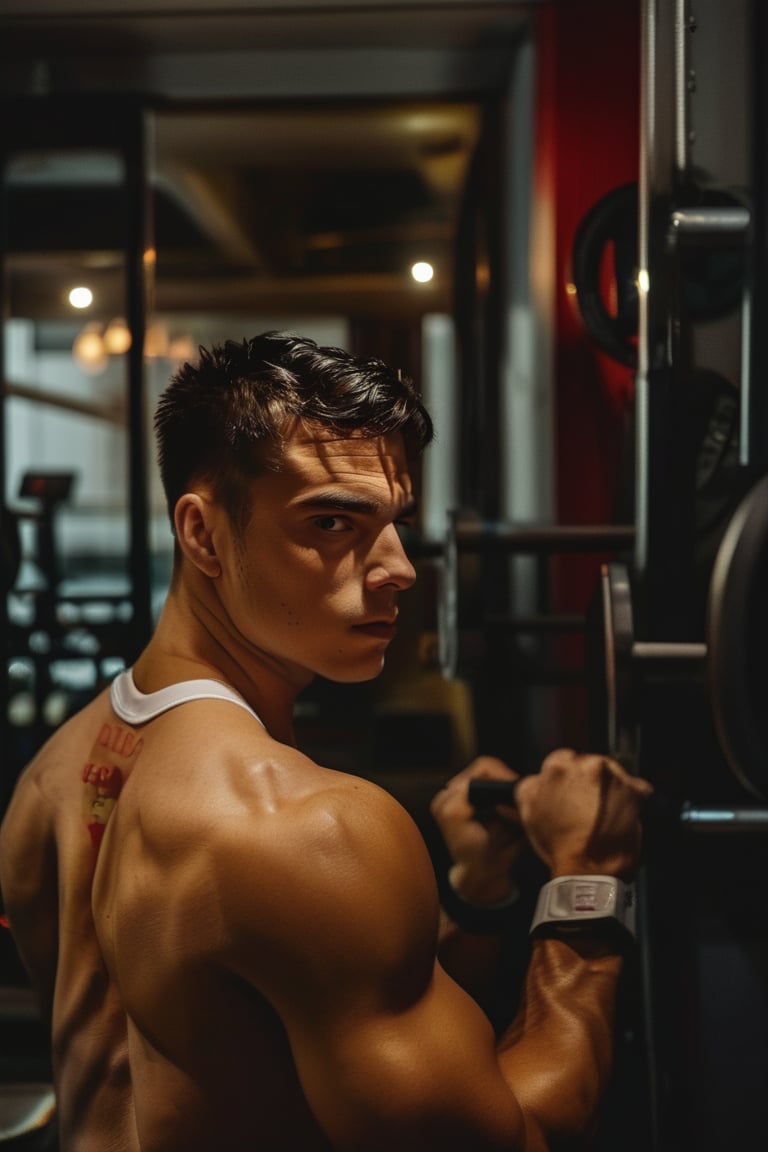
(479, 919)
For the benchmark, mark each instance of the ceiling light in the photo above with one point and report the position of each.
(117, 338)
(156, 341)
(88, 350)
(181, 348)
(81, 297)
(422, 272)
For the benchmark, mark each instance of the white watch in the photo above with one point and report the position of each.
(572, 904)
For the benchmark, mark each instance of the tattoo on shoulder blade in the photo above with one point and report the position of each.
(111, 758)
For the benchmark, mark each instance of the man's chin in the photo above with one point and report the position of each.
(358, 674)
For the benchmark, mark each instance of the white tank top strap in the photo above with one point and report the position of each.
(135, 707)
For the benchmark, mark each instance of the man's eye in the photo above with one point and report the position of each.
(332, 523)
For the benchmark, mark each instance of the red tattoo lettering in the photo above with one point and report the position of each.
(104, 773)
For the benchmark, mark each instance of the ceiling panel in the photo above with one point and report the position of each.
(300, 150)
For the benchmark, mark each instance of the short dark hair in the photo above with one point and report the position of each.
(224, 418)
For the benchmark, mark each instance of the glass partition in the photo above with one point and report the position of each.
(73, 483)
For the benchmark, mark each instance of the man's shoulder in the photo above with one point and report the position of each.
(244, 793)
(59, 762)
(293, 798)
(319, 835)
(267, 800)
(332, 882)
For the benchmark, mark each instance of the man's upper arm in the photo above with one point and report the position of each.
(390, 1052)
(28, 881)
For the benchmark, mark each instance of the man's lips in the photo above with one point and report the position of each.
(381, 629)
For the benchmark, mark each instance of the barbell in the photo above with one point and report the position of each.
(729, 662)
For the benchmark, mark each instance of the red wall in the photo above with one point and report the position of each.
(588, 137)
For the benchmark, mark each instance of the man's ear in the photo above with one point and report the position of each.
(194, 518)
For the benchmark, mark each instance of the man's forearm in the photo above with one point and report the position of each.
(557, 1054)
(473, 961)
(475, 913)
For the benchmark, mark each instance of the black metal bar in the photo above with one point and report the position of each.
(136, 280)
(730, 820)
(534, 624)
(477, 536)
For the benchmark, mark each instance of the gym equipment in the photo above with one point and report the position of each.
(485, 794)
(10, 550)
(628, 660)
(26, 1117)
(48, 490)
(738, 631)
(729, 664)
(610, 224)
(460, 640)
(60, 636)
(709, 235)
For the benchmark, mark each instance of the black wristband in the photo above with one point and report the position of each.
(605, 930)
(479, 919)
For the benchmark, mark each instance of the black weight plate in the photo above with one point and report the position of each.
(738, 641)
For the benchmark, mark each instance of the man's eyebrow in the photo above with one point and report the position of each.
(350, 502)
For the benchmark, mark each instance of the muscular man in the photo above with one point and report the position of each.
(237, 945)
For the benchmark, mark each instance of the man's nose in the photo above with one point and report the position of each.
(389, 563)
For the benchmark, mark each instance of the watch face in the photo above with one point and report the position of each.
(571, 905)
(583, 896)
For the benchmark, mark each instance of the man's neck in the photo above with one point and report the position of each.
(190, 642)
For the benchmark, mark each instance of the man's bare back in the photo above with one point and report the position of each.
(150, 869)
(48, 853)
(223, 1077)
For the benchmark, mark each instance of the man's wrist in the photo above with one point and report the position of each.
(488, 911)
(475, 886)
(596, 905)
